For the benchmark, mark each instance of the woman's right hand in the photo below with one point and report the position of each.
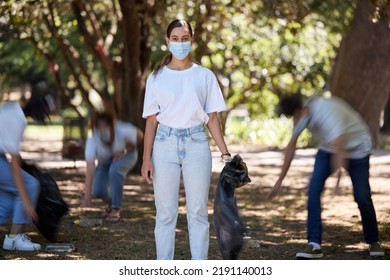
(147, 170)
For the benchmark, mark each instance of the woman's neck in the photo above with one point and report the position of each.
(176, 64)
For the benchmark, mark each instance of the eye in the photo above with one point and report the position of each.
(174, 39)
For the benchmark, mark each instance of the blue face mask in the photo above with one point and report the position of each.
(180, 50)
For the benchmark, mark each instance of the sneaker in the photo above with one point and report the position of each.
(310, 253)
(21, 242)
(376, 250)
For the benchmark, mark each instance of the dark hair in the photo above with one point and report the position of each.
(105, 116)
(39, 109)
(171, 26)
(288, 104)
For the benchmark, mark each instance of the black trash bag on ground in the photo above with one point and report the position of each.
(50, 207)
(228, 225)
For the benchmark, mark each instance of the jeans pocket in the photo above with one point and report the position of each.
(161, 136)
(199, 137)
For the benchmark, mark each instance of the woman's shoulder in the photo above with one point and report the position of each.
(203, 70)
(123, 124)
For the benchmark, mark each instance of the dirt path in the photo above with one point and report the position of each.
(277, 227)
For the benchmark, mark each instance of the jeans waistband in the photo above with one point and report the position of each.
(181, 131)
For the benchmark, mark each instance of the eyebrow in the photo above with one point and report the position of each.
(177, 36)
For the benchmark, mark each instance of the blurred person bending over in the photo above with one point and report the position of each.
(344, 141)
(19, 191)
(113, 144)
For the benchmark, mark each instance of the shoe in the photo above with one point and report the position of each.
(310, 253)
(376, 250)
(113, 216)
(21, 242)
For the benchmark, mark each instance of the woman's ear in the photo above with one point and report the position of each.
(167, 40)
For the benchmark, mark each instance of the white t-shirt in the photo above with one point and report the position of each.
(183, 99)
(96, 149)
(12, 125)
(332, 117)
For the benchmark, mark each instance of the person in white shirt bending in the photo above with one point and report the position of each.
(113, 144)
(181, 98)
(19, 191)
(344, 141)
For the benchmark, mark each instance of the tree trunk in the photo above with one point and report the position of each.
(136, 58)
(361, 74)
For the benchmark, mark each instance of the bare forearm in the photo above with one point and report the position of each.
(18, 179)
(28, 206)
(288, 157)
(89, 177)
(132, 146)
(150, 132)
(216, 132)
(338, 159)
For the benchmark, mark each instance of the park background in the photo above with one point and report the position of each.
(97, 54)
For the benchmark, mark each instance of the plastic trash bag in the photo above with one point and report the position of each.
(228, 225)
(50, 207)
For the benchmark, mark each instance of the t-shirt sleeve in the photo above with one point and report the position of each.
(151, 106)
(129, 132)
(13, 135)
(90, 149)
(214, 101)
(300, 126)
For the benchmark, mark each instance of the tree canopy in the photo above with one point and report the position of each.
(100, 52)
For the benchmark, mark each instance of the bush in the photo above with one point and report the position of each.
(266, 132)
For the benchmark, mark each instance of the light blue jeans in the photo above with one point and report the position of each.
(11, 204)
(186, 152)
(110, 177)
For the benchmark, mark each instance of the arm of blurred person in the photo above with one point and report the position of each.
(288, 157)
(150, 133)
(18, 179)
(301, 121)
(90, 173)
(130, 146)
(338, 160)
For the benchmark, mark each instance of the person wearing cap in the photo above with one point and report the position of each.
(344, 142)
(19, 190)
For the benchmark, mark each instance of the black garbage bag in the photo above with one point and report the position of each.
(50, 207)
(228, 224)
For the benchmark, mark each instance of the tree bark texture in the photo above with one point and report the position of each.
(361, 74)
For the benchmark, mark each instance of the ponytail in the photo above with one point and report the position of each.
(164, 62)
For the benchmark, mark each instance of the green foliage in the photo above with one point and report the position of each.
(263, 131)
(259, 50)
(20, 64)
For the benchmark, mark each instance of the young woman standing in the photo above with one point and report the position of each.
(181, 98)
